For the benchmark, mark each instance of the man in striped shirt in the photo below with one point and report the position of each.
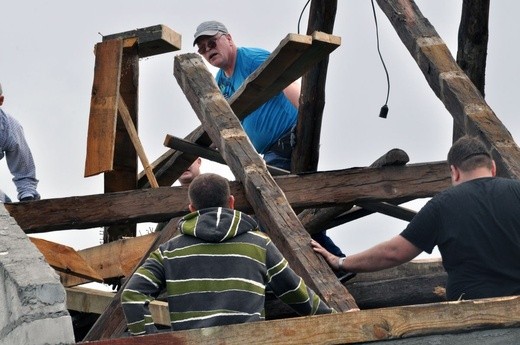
(217, 270)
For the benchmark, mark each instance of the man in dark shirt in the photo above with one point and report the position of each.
(475, 224)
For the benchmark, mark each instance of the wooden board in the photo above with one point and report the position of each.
(103, 108)
(65, 259)
(152, 40)
(113, 259)
(352, 327)
(302, 191)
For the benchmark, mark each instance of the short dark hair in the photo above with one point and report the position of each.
(469, 153)
(209, 190)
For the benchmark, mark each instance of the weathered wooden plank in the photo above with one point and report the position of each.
(451, 84)
(207, 153)
(302, 191)
(65, 259)
(152, 40)
(472, 50)
(321, 219)
(267, 199)
(290, 49)
(112, 260)
(134, 137)
(124, 173)
(322, 14)
(96, 301)
(103, 108)
(352, 327)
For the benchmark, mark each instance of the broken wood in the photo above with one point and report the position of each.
(268, 200)
(112, 260)
(65, 259)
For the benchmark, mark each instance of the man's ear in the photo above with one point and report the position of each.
(231, 202)
(493, 168)
(191, 208)
(1, 99)
(455, 174)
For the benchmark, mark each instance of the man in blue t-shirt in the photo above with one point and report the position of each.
(475, 224)
(271, 126)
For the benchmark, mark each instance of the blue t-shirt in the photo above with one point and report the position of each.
(270, 121)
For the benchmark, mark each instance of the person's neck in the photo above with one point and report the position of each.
(229, 69)
(476, 173)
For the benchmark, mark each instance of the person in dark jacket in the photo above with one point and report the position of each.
(475, 224)
(217, 270)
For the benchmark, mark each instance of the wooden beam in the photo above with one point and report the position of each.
(316, 220)
(112, 260)
(322, 14)
(65, 259)
(472, 49)
(329, 188)
(268, 200)
(451, 84)
(134, 137)
(208, 153)
(103, 108)
(96, 301)
(353, 327)
(152, 40)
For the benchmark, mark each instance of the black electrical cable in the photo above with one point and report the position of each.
(384, 108)
(301, 14)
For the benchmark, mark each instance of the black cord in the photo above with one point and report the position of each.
(301, 14)
(384, 109)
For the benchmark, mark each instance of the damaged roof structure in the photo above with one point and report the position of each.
(403, 302)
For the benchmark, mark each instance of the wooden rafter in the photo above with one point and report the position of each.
(451, 84)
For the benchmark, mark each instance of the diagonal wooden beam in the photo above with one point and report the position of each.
(267, 199)
(453, 87)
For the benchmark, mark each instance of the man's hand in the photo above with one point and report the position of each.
(331, 259)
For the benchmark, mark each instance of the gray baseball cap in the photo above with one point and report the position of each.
(209, 28)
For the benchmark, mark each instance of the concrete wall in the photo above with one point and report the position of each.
(32, 299)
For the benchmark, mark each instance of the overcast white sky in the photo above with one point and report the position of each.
(47, 65)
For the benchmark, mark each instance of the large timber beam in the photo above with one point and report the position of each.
(453, 87)
(355, 327)
(262, 192)
(339, 187)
